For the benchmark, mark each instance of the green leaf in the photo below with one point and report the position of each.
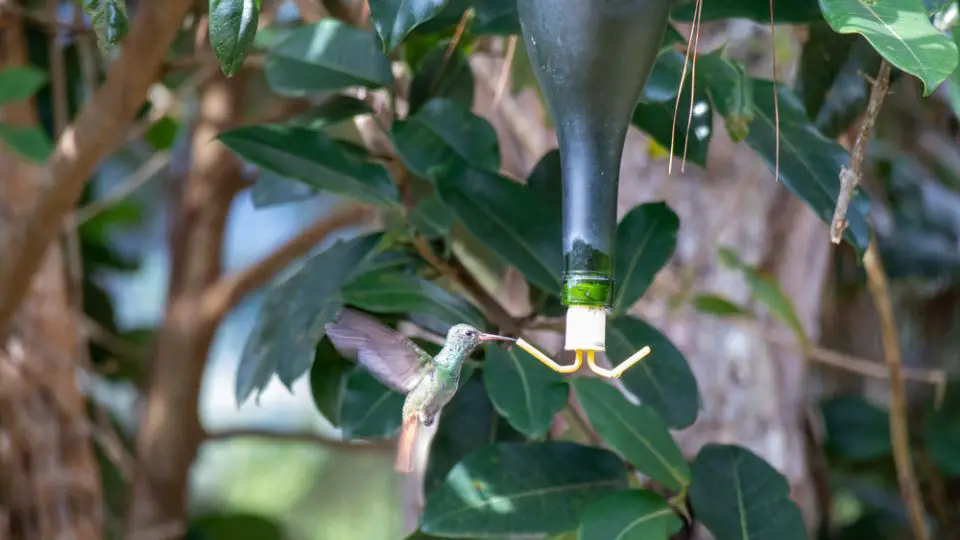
(646, 239)
(20, 82)
(629, 515)
(738, 496)
(655, 112)
(326, 56)
(328, 380)
(271, 189)
(784, 12)
(767, 291)
(523, 390)
(370, 410)
(717, 305)
(855, 429)
(395, 292)
(233, 25)
(662, 380)
(831, 79)
(431, 217)
(395, 19)
(733, 98)
(468, 423)
(437, 76)
(109, 20)
(531, 489)
(441, 133)
(162, 134)
(296, 307)
(901, 31)
(314, 158)
(29, 142)
(809, 163)
(941, 433)
(337, 109)
(509, 219)
(234, 526)
(635, 432)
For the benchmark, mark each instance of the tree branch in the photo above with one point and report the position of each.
(26, 232)
(899, 431)
(227, 292)
(850, 178)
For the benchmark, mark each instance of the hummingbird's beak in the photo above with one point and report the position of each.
(494, 337)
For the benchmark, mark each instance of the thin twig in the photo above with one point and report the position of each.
(296, 437)
(504, 77)
(227, 292)
(850, 177)
(899, 431)
(147, 171)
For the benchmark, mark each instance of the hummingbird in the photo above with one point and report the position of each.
(429, 382)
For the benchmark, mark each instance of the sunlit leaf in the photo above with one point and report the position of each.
(531, 489)
(901, 31)
(233, 26)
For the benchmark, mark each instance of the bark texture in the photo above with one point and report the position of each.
(49, 479)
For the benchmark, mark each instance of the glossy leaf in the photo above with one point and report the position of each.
(468, 423)
(523, 390)
(635, 432)
(395, 19)
(18, 83)
(326, 56)
(442, 132)
(509, 219)
(855, 429)
(718, 306)
(233, 25)
(809, 163)
(438, 76)
(314, 158)
(901, 31)
(663, 380)
(531, 489)
(646, 239)
(29, 142)
(629, 515)
(792, 12)
(831, 79)
(370, 410)
(767, 291)
(738, 496)
(296, 307)
(394, 292)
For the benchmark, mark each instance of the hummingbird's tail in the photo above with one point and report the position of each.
(407, 445)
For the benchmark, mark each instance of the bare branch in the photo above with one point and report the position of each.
(227, 292)
(26, 233)
(899, 430)
(850, 178)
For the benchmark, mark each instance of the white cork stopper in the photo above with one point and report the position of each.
(586, 329)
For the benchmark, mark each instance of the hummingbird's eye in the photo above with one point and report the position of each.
(471, 333)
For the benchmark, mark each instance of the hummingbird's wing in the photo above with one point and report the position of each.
(395, 360)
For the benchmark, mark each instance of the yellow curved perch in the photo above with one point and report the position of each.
(591, 361)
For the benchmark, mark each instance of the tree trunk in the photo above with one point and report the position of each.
(51, 483)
